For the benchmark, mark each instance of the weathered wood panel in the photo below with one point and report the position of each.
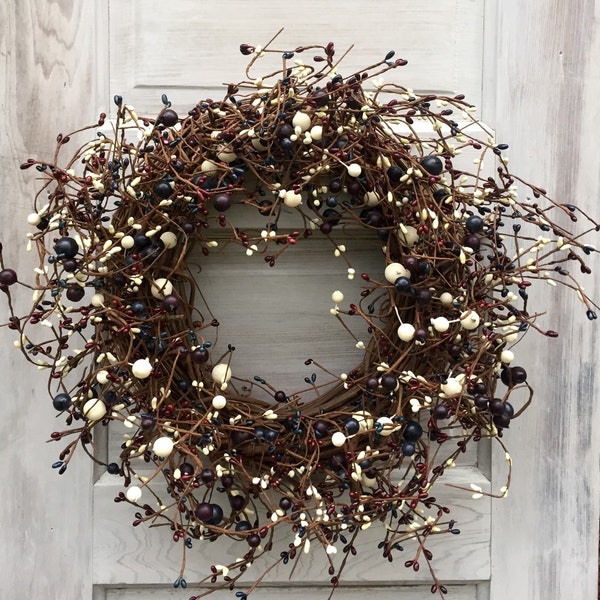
(189, 49)
(48, 82)
(545, 543)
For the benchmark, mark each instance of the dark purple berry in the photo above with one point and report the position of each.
(207, 475)
(372, 218)
(420, 335)
(372, 384)
(338, 460)
(481, 402)
(70, 265)
(285, 503)
(422, 267)
(354, 187)
(513, 376)
(423, 296)
(222, 202)
(518, 375)
(240, 437)
(280, 396)
(441, 412)
(237, 502)
(473, 242)
(335, 186)
(497, 406)
(170, 303)
(284, 131)
(8, 277)
(501, 421)
(186, 470)
(75, 293)
(204, 512)
(227, 481)
(169, 118)
(200, 355)
(147, 422)
(320, 428)
(265, 207)
(479, 388)
(320, 97)
(389, 382)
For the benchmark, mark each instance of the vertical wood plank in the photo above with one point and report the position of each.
(49, 81)
(547, 84)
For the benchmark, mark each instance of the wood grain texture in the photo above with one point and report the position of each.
(189, 49)
(141, 555)
(546, 106)
(48, 82)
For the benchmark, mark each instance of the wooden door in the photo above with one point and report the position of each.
(64, 61)
(149, 57)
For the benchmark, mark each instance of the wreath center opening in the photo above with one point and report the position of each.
(279, 318)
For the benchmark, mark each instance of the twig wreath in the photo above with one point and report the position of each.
(115, 319)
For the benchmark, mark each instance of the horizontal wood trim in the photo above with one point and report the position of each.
(455, 592)
(141, 555)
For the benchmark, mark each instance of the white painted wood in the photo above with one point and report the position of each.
(546, 106)
(456, 592)
(126, 555)
(49, 81)
(189, 49)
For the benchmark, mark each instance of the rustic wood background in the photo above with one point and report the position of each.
(542, 97)
(534, 67)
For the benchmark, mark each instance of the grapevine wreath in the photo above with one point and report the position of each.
(117, 322)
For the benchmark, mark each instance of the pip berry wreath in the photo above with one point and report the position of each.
(116, 322)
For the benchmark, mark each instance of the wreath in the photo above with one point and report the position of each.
(117, 322)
